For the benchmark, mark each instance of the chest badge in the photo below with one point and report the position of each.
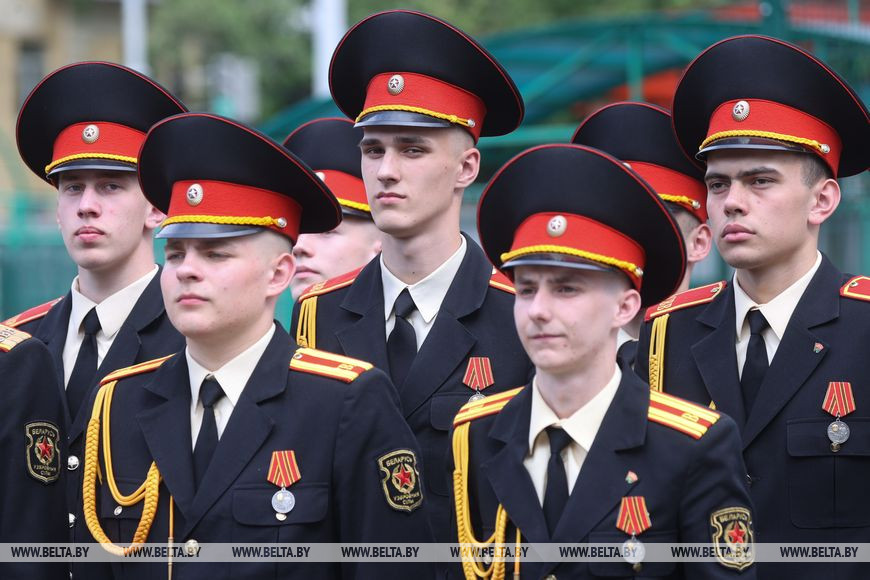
(839, 401)
(283, 472)
(478, 376)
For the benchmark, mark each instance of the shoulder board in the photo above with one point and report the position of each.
(501, 282)
(31, 313)
(489, 405)
(145, 367)
(691, 297)
(327, 364)
(327, 286)
(858, 288)
(10, 338)
(679, 414)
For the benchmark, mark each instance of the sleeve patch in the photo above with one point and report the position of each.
(401, 480)
(692, 297)
(42, 451)
(733, 538)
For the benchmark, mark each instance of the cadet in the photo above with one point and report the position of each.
(242, 436)
(641, 135)
(80, 129)
(32, 495)
(586, 452)
(331, 148)
(423, 92)
(776, 126)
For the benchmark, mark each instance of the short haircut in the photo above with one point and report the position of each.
(686, 220)
(814, 169)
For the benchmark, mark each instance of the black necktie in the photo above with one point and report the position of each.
(82, 377)
(756, 363)
(209, 393)
(402, 343)
(556, 492)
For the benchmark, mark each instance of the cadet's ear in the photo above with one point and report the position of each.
(281, 271)
(628, 305)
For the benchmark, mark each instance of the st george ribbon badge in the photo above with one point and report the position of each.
(283, 472)
(633, 519)
(839, 402)
(478, 376)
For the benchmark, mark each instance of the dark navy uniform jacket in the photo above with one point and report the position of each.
(803, 491)
(475, 320)
(682, 479)
(338, 431)
(146, 334)
(32, 499)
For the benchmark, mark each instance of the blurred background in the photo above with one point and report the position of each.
(265, 63)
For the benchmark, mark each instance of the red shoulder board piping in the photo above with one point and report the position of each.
(691, 297)
(31, 313)
(482, 407)
(502, 282)
(138, 369)
(328, 364)
(326, 286)
(858, 288)
(681, 415)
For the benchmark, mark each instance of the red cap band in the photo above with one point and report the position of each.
(98, 140)
(348, 189)
(219, 202)
(574, 235)
(771, 120)
(675, 187)
(417, 93)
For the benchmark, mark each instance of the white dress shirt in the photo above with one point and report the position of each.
(428, 294)
(582, 426)
(112, 312)
(233, 377)
(777, 312)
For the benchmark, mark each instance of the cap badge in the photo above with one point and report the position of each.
(740, 111)
(194, 194)
(90, 134)
(557, 226)
(396, 84)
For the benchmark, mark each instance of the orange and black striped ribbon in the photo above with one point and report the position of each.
(478, 375)
(633, 517)
(839, 400)
(283, 470)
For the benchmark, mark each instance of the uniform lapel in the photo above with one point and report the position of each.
(366, 338)
(166, 428)
(601, 483)
(716, 357)
(506, 473)
(449, 342)
(795, 359)
(52, 331)
(248, 427)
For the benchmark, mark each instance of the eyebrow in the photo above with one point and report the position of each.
(398, 139)
(742, 174)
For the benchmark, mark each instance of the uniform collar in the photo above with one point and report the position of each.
(583, 425)
(428, 293)
(778, 311)
(112, 311)
(234, 375)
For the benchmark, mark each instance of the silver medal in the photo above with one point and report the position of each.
(476, 397)
(283, 501)
(838, 432)
(633, 550)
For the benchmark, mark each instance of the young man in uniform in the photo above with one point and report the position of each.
(641, 135)
(781, 347)
(331, 147)
(80, 129)
(430, 310)
(587, 453)
(242, 436)
(32, 495)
